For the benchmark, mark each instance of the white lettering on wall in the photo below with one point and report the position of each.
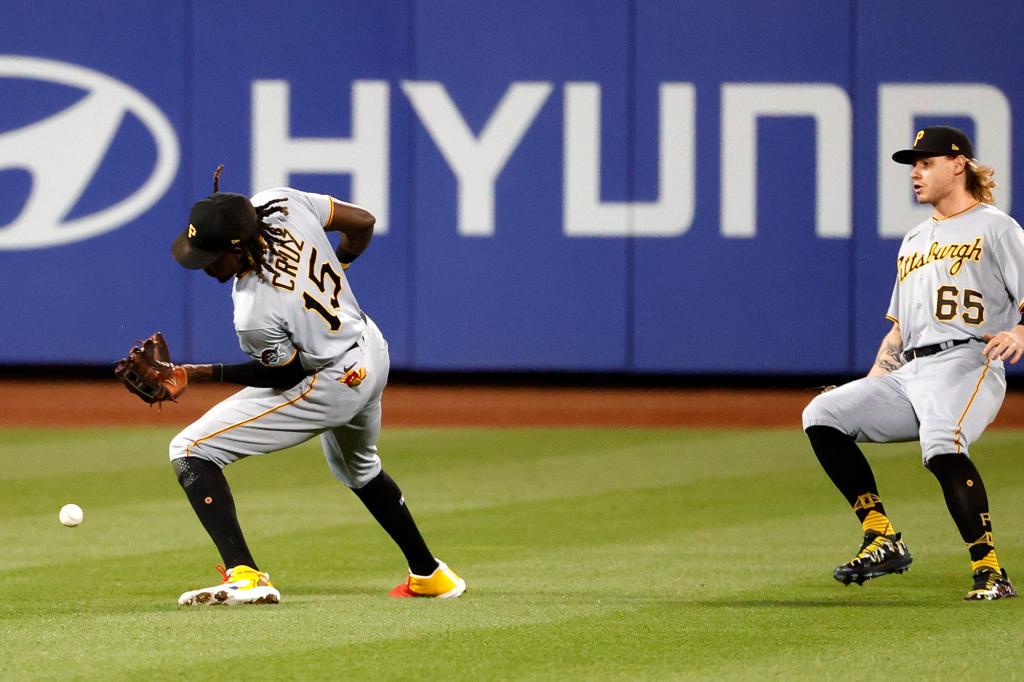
(829, 106)
(584, 214)
(364, 155)
(898, 105)
(476, 161)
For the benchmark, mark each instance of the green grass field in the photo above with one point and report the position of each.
(589, 554)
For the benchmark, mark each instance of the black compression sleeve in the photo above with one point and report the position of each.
(256, 374)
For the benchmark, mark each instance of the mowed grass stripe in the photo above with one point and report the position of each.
(590, 554)
(611, 460)
(329, 506)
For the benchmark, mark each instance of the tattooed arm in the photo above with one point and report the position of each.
(889, 353)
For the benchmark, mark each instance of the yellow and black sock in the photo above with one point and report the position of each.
(985, 553)
(878, 522)
(849, 470)
(967, 502)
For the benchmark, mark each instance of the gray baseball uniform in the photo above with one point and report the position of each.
(302, 306)
(957, 279)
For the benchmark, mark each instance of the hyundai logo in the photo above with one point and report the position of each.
(63, 152)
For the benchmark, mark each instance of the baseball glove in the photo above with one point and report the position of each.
(147, 371)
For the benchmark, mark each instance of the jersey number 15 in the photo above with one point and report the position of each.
(328, 282)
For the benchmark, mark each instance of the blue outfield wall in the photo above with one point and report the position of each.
(648, 186)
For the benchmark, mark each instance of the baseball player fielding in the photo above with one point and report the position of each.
(319, 367)
(938, 377)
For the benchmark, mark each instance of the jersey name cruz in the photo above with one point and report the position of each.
(287, 254)
(958, 253)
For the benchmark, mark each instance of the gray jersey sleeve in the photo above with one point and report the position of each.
(319, 205)
(270, 347)
(1008, 252)
(893, 313)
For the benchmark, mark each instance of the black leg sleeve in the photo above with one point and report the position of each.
(384, 499)
(207, 489)
(849, 470)
(966, 499)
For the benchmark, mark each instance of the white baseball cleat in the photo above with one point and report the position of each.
(241, 585)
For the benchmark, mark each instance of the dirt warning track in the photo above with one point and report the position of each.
(95, 402)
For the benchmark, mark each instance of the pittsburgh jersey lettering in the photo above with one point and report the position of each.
(957, 278)
(959, 253)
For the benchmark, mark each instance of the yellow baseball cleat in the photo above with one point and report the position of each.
(241, 585)
(443, 583)
(990, 585)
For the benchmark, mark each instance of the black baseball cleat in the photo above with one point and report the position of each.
(878, 556)
(989, 585)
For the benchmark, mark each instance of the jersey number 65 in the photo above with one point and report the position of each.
(948, 304)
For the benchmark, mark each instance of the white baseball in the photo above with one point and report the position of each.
(71, 515)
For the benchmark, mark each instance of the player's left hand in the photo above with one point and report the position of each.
(1008, 346)
(147, 371)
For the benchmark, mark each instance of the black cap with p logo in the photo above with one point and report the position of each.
(936, 141)
(215, 225)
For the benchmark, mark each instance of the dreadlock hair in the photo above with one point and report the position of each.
(258, 249)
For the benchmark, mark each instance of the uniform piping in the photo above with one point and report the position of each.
(312, 383)
(956, 436)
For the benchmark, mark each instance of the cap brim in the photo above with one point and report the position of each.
(189, 256)
(909, 156)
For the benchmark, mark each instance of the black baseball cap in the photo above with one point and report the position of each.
(215, 225)
(936, 141)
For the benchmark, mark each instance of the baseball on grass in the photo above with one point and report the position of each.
(71, 515)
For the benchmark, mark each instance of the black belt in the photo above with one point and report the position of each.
(923, 351)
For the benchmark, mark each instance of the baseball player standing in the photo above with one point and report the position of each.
(938, 377)
(319, 368)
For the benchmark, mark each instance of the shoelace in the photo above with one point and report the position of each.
(991, 580)
(874, 548)
(871, 548)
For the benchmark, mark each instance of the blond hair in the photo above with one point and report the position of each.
(979, 181)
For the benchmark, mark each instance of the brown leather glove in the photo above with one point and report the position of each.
(147, 371)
